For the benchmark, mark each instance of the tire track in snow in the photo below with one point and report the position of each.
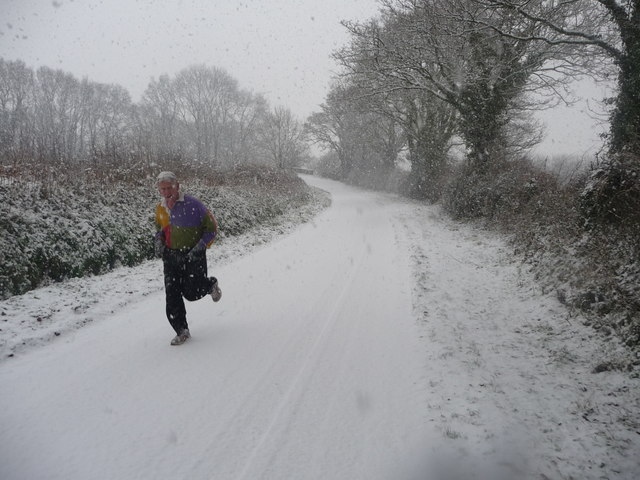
(303, 372)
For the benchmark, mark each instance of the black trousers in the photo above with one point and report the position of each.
(184, 279)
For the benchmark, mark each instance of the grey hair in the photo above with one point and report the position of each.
(167, 177)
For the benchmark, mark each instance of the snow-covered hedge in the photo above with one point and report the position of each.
(52, 232)
(591, 261)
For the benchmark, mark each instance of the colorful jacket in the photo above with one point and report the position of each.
(188, 223)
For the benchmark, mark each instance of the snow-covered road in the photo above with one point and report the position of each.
(379, 341)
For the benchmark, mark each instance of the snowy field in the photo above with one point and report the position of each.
(380, 340)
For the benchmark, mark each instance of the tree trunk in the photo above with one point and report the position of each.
(625, 120)
(482, 125)
(428, 165)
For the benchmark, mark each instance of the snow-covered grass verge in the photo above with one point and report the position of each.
(42, 314)
(529, 399)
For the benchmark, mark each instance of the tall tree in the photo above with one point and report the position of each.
(206, 96)
(56, 115)
(160, 111)
(250, 112)
(590, 30)
(428, 45)
(338, 127)
(604, 31)
(16, 105)
(283, 138)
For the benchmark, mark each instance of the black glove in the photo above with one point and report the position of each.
(196, 251)
(160, 246)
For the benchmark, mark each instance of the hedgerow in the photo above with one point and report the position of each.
(51, 230)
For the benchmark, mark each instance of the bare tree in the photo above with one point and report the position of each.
(337, 127)
(438, 47)
(159, 110)
(591, 34)
(58, 113)
(428, 126)
(249, 114)
(200, 114)
(607, 31)
(283, 138)
(16, 103)
(207, 97)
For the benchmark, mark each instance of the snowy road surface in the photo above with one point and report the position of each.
(379, 341)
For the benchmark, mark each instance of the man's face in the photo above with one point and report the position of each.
(169, 190)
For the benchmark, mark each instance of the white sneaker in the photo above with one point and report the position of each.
(216, 293)
(180, 339)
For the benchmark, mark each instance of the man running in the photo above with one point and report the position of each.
(186, 228)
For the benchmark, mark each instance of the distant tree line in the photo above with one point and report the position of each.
(428, 75)
(49, 118)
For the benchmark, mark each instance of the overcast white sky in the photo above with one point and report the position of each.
(277, 47)
(280, 48)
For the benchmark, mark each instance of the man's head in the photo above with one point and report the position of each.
(167, 177)
(168, 186)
